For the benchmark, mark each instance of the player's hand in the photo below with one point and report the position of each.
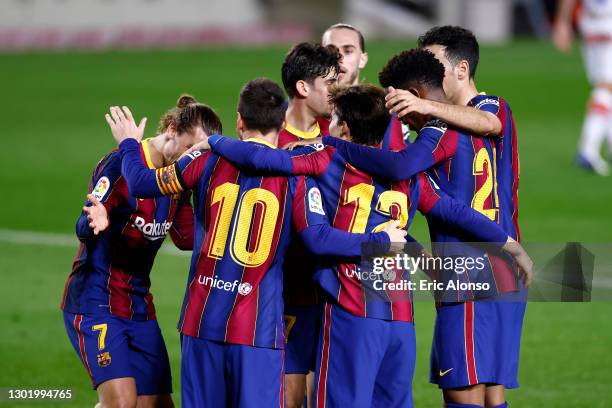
(123, 126)
(523, 260)
(396, 235)
(562, 36)
(299, 143)
(96, 215)
(402, 102)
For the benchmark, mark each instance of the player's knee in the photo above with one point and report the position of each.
(120, 400)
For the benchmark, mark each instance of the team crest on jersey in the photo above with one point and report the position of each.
(104, 359)
(315, 203)
(245, 288)
(102, 186)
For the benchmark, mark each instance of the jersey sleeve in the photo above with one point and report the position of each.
(494, 105)
(147, 183)
(437, 205)
(312, 223)
(108, 187)
(182, 230)
(391, 165)
(254, 156)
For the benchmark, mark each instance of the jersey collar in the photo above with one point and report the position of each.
(263, 142)
(147, 153)
(311, 134)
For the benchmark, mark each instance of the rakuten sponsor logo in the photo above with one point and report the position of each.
(152, 230)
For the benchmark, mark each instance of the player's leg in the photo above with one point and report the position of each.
(393, 386)
(495, 396)
(310, 387)
(203, 374)
(150, 364)
(302, 325)
(453, 357)
(295, 390)
(596, 122)
(350, 350)
(118, 393)
(101, 342)
(256, 376)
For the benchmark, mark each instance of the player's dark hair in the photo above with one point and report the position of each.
(461, 44)
(189, 113)
(362, 108)
(262, 105)
(349, 27)
(412, 68)
(307, 62)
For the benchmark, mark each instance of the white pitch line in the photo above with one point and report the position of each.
(54, 239)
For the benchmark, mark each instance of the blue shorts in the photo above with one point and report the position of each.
(113, 347)
(364, 362)
(477, 343)
(216, 374)
(303, 324)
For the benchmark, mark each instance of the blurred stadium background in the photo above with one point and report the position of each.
(64, 62)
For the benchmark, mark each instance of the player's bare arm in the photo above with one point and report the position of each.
(402, 102)
(97, 216)
(562, 32)
(123, 126)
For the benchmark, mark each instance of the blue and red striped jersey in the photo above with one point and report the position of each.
(471, 169)
(299, 286)
(394, 138)
(110, 274)
(506, 160)
(357, 202)
(243, 223)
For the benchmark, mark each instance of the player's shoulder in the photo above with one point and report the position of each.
(488, 102)
(435, 127)
(109, 165)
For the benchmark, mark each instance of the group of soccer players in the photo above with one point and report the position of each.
(277, 237)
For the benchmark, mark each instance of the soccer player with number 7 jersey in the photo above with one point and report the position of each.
(108, 308)
(232, 315)
(366, 351)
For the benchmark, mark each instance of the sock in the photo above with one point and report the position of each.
(455, 405)
(504, 405)
(596, 123)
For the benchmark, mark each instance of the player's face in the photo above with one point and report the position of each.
(353, 58)
(177, 145)
(318, 95)
(335, 128)
(451, 83)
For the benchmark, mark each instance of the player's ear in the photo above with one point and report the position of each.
(239, 124)
(363, 60)
(345, 132)
(462, 70)
(171, 130)
(302, 88)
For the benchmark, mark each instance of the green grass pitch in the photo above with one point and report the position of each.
(53, 133)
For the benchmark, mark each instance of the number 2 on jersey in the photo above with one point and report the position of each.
(362, 194)
(482, 163)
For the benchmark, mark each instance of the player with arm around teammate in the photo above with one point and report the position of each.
(108, 308)
(232, 316)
